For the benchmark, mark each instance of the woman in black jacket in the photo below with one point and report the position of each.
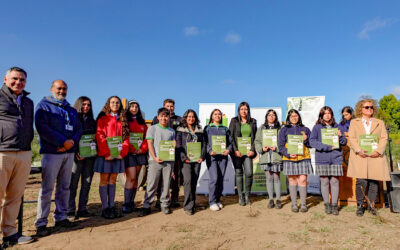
(83, 166)
(190, 132)
(241, 127)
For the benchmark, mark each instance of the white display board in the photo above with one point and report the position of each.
(308, 107)
(228, 111)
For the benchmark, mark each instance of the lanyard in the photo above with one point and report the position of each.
(64, 113)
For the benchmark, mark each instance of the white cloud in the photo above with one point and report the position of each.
(229, 81)
(191, 31)
(233, 38)
(375, 24)
(396, 90)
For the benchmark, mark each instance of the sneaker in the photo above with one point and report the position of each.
(328, 209)
(303, 209)
(83, 214)
(144, 212)
(219, 204)
(372, 210)
(271, 204)
(17, 239)
(189, 212)
(127, 208)
(295, 209)
(65, 223)
(42, 231)
(278, 204)
(241, 200)
(71, 215)
(166, 210)
(334, 209)
(215, 207)
(360, 210)
(247, 199)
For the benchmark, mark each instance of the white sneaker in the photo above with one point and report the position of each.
(220, 205)
(214, 207)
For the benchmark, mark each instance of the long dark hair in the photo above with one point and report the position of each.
(106, 110)
(212, 112)
(349, 110)
(184, 119)
(277, 124)
(321, 116)
(78, 106)
(248, 118)
(139, 116)
(288, 123)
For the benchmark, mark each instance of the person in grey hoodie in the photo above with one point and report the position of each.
(16, 134)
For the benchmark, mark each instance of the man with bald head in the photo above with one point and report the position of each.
(16, 134)
(60, 131)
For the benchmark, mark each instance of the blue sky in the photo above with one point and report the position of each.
(205, 51)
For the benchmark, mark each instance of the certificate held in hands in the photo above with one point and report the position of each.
(166, 150)
(136, 139)
(329, 136)
(369, 143)
(270, 137)
(295, 144)
(87, 146)
(218, 143)
(244, 145)
(193, 150)
(115, 145)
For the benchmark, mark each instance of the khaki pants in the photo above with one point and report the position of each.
(14, 172)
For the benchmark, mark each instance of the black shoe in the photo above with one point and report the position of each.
(144, 212)
(303, 209)
(16, 239)
(107, 213)
(247, 199)
(295, 209)
(71, 215)
(278, 204)
(127, 208)
(372, 210)
(65, 223)
(271, 204)
(166, 210)
(42, 231)
(334, 209)
(241, 200)
(158, 204)
(360, 210)
(328, 209)
(83, 214)
(117, 213)
(175, 204)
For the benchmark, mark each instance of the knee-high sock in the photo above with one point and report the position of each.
(127, 195)
(103, 196)
(270, 184)
(334, 189)
(133, 195)
(325, 188)
(277, 186)
(293, 194)
(303, 195)
(111, 194)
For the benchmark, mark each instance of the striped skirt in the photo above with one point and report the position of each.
(273, 167)
(303, 167)
(329, 170)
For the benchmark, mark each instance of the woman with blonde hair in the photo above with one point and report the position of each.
(369, 167)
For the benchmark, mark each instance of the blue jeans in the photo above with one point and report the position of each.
(55, 168)
(216, 169)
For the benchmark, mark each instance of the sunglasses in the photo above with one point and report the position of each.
(368, 107)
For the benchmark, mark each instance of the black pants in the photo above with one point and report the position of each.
(190, 176)
(373, 187)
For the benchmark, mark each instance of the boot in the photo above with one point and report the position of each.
(360, 210)
(328, 208)
(334, 208)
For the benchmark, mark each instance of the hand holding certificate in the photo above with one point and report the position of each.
(295, 144)
(368, 143)
(193, 151)
(115, 145)
(270, 137)
(136, 140)
(166, 150)
(244, 145)
(329, 136)
(87, 146)
(218, 144)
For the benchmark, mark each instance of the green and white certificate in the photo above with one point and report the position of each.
(244, 145)
(218, 143)
(87, 146)
(295, 144)
(136, 139)
(270, 137)
(329, 136)
(115, 145)
(193, 150)
(369, 143)
(166, 150)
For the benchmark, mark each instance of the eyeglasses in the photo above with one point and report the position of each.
(368, 107)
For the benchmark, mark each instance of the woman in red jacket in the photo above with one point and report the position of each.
(112, 138)
(137, 156)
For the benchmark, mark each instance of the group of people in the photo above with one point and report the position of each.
(124, 143)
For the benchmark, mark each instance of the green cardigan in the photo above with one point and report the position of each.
(266, 157)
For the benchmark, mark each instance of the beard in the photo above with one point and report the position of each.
(59, 97)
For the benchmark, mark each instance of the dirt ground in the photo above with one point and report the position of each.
(234, 227)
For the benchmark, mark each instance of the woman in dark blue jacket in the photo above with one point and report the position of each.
(328, 158)
(190, 131)
(243, 126)
(216, 163)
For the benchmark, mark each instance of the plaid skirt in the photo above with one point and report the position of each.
(113, 166)
(273, 167)
(329, 170)
(303, 167)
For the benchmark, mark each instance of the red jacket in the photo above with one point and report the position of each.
(135, 127)
(108, 126)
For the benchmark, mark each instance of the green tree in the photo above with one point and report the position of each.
(389, 112)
